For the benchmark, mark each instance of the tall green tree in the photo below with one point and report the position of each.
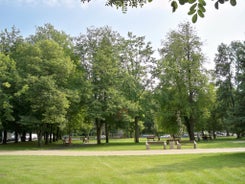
(9, 41)
(45, 70)
(8, 78)
(225, 83)
(98, 53)
(136, 63)
(183, 85)
(238, 117)
(229, 65)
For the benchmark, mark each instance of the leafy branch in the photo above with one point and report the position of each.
(197, 7)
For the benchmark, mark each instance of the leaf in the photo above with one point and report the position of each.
(202, 2)
(216, 5)
(200, 13)
(221, 1)
(191, 12)
(174, 6)
(201, 7)
(193, 7)
(191, 1)
(233, 2)
(194, 18)
(182, 2)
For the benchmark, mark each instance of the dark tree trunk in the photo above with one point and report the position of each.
(16, 137)
(51, 133)
(58, 133)
(107, 132)
(189, 123)
(136, 129)
(30, 136)
(39, 135)
(5, 136)
(23, 136)
(98, 130)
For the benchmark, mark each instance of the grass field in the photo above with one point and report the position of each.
(122, 144)
(225, 168)
(202, 168)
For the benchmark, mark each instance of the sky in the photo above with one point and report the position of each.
(153, 21)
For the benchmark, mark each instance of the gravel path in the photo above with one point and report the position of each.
(121, 153)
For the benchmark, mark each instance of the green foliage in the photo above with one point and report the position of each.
(183, 87)
(197, 7)
(229, 63)
(8, 77)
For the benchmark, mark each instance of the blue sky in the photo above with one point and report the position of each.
(153, 21)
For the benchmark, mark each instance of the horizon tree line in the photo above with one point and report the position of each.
(51, 84)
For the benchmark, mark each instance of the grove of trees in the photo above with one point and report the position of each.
(54, 84)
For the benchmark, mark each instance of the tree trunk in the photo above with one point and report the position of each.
(5, 136)
(136, 129)
(189, 123)
(23, 136)
(30, 136)
(16, 137)
(98, 130)
(39, 136)
(107, 132)
(51, 133)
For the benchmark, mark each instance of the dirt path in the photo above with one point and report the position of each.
(121, 153)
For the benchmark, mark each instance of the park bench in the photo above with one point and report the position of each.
(175, 140)
(66, 141)
(148, 143)
(85, 139)
(171, 143)
(206, 137)
(151, 137)
(186, 142)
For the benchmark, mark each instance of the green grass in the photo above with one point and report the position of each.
(202, 168)
(121, 144)
(191, 168)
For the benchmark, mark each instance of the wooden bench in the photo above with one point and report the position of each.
(175, 140)
(184, 142)
(148, 143)
(67, 141)
(151, 137)
(171, 144)
(206, 137)
(85, 139)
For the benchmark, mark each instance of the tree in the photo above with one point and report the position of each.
(238, 115)
(136, 65)
(8, 78)
(45, 70)
(197, 7)
(224, 81)
(229, 65)
(183, 85)
(9, 41)
(98, 52)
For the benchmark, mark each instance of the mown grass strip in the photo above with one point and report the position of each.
(202, 168)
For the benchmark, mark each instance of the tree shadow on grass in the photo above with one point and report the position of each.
(103, 146)
(197, 163)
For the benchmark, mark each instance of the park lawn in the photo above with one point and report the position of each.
(226, 168)
(121, 144)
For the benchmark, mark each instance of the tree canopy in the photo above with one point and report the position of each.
(101, 83)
